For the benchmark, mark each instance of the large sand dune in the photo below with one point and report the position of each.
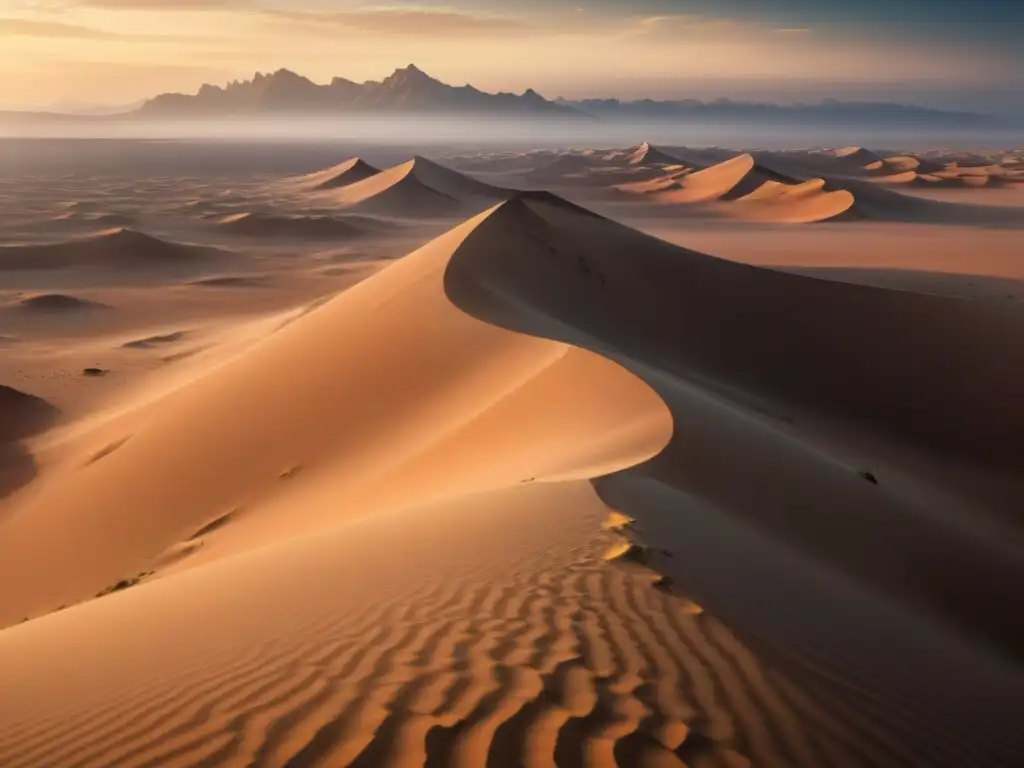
(375, 536)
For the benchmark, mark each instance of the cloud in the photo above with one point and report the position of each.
(792, 31)
(673, 25)
(161, 5)
(408, 21)
(54, 29)
(60, 30)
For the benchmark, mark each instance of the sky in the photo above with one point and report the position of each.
(960, 54)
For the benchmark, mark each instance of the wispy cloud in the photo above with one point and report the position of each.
(61, 30)
(160, 5)
(407, 20)
(681, 23)
(792, 31)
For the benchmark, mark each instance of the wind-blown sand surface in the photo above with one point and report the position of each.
(544, 491)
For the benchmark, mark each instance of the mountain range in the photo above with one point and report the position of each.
(406, 90)
(410, 90)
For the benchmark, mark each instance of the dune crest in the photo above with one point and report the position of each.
(645, 154)
(340, 175)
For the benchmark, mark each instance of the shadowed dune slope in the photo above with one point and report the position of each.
(869, 371)
(22, 414)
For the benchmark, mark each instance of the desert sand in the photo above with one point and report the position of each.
(636, 456)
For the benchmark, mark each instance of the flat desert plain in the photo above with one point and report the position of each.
(635, 456)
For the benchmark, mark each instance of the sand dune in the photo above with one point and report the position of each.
(936, 171)
(753, 191)
(856, 157)
(112, 249)
(903, 163)
(876, 201)
(804, 190)
(439, 430)
(341, 175)
(645, 154)
(265, 225)
(57, 303)
(946, 179)
(326, 422)
(418, 188)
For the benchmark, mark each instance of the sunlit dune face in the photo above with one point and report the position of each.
(122, 50)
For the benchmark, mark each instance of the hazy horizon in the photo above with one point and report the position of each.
(939, 54)
(504, 133)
